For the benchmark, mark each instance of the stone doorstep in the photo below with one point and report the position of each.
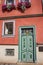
(8, 64)
(21, 63)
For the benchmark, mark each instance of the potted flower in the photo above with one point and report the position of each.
(9, 7)
(27, 4)
(21, 6)
(4, 8)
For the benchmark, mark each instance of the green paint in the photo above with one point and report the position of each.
(26, 43)
(30, 56)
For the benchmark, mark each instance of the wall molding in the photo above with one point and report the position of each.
(22, 16)
(9, 44)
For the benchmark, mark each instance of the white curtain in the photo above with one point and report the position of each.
(19, 0)
(29, 0)
(22, 0)
(14, 2)
(5, 2)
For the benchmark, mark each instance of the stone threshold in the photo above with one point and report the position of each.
(21, 63)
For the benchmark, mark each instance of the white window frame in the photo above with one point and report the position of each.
(6, 0)
(12, 35)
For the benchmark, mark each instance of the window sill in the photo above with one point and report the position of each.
(8, 35)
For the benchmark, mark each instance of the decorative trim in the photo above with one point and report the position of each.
(22, 16)
(10, 44)
(39, 44)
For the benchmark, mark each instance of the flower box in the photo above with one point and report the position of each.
(26, 4)
(8, 7)
(4, 8)
(20, 4)
(23, 5)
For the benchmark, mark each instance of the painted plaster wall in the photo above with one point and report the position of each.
(39, 56)
(38, 22)
(14, 59)
(36, 8)
(8, 59)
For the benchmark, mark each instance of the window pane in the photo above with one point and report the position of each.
(10, 1)
(24, 0)
(41, 49)
(9, 52)
(8, 28)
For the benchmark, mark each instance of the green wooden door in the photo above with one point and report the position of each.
(27, 45)
(27, 48)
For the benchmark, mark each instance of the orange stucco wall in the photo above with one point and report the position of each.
(38, 22)
(36, 8)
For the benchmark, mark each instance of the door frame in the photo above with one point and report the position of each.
(19, 43)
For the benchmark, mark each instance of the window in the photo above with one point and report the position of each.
(8, 28)
(25, 0)
(9, 2)
(40, 48)
(9, 52)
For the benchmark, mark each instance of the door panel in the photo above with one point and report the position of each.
(30, 43)
(29, 48)
(24, 56)
(30, 57)
(24, 48)
(24, 41)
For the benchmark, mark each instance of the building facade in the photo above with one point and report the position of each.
(21, 31)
